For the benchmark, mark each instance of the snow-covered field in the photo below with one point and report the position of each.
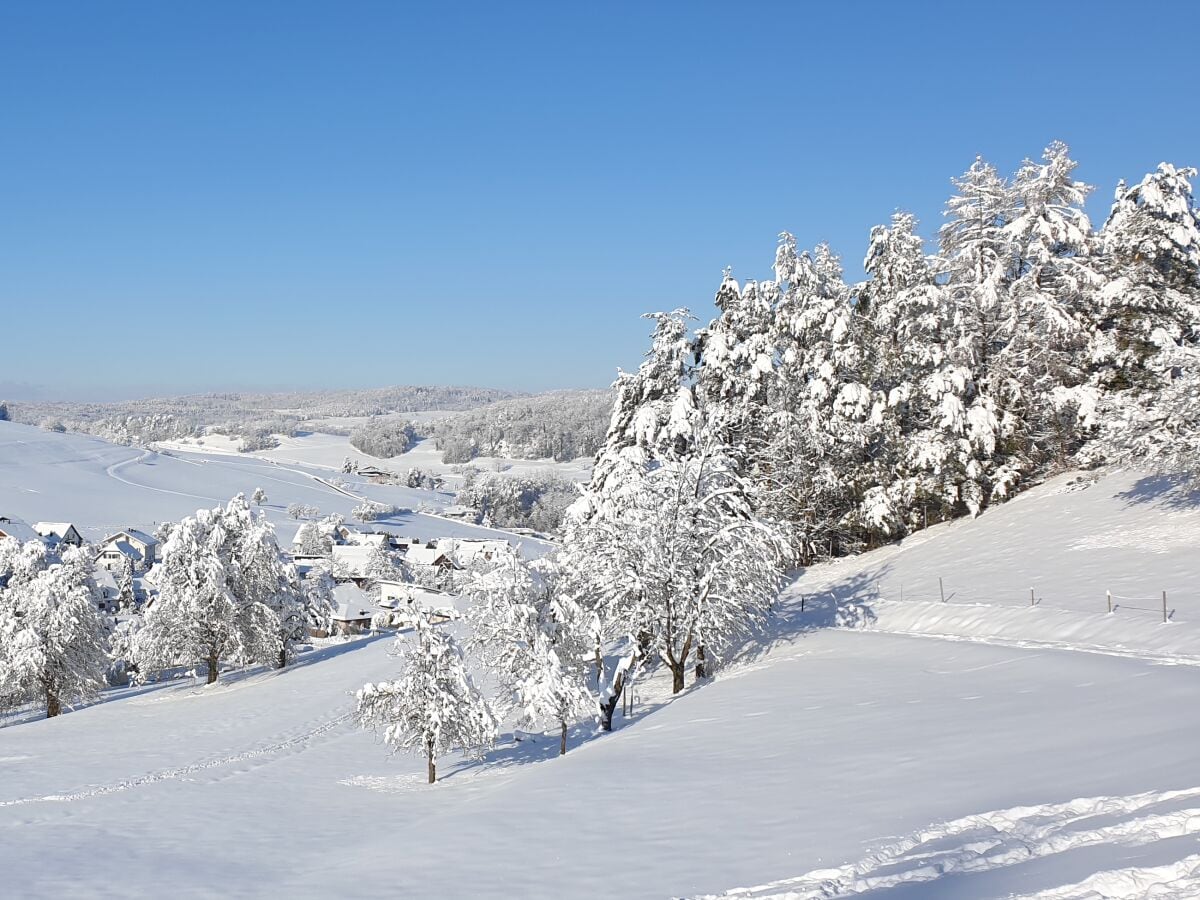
(319, 450)
(824, 762)
(102, 487)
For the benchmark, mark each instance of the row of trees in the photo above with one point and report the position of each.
(226, 597)
(537, 500)
(1027, 343)
(563, 425)
(813, 417)
(384, 438)
(525, 631)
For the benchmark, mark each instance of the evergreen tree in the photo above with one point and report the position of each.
(126, 597)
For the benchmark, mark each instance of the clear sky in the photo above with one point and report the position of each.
(233, 195)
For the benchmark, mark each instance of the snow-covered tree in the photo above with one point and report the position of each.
(383, 564)
(1147, 346)
(259, 578)
(534, 638)
(259, 497)
(310, 541)
(219, 583)
(433, 706)
(53, 639)
(677, 562)
(21, 562)
(318, 586)
(126, 597)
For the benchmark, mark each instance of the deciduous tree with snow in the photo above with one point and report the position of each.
(53, 638)
(534, 638)
(433, 706)
(219, 584)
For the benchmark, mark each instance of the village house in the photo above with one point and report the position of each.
(347, 534)
(468, 551)
(353, 610)
(350, 561)
(137, 546)
(429, 556)
(376, 475)
(16, 529)
(56, 533)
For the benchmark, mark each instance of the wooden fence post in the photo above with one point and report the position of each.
(1031, 603)
(1108, 594)
(1164, 607)
(941, 590)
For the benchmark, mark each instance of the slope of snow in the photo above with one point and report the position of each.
(100, 487)
(1037, 570)
(804, 761)
(329, 451)
(824, 762)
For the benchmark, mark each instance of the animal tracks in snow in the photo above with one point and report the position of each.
(989, 841)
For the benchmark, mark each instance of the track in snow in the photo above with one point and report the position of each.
(994, 840)
(180, 772)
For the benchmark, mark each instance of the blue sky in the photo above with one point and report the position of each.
(228, 195)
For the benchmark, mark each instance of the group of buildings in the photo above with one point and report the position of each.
(423, 576)
(362, 599)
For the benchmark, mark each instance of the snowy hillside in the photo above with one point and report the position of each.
(329, 451)
(102, 487)
(1039, 569)
(823, 763)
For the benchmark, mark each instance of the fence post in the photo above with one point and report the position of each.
(1108, 594)
(1031, 603)
(1164, 607)
(941, 590)
(801, 603)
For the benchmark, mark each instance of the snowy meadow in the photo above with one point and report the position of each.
(853, 590)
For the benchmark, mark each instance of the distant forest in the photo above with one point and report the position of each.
(561, 425)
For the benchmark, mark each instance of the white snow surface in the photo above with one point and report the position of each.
(319, 450)
(103, 487)
(823, 762)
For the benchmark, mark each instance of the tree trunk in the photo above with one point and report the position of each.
(678, 672)
(282, 657)
(430, 760)
(609, 706)
(53, 704)
(701, 663)
(562, 744)
(213, 666)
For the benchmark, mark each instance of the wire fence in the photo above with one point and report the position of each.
(1109, 602)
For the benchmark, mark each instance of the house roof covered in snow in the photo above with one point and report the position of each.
(352, 559)
(132, 536)
(426, 556)
(59, 530)
(351, 604)
(16, 528)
